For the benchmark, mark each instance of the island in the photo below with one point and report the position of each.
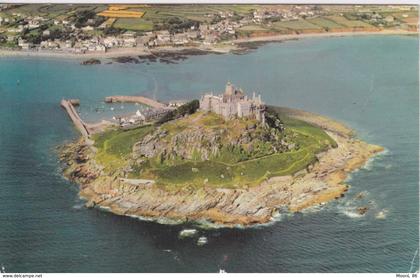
(227, 159)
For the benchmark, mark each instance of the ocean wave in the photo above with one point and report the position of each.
(359, 205)
(378, 157)
(207, 225)
(315, 208)
(349, 208)
(382, 214)
(276, 217)
(78, 206)
(351, 212)
(160, 220)
(370, 164)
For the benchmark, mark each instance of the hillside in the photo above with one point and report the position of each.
(204, 149)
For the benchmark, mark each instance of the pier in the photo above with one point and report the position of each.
(135, 99)
(74, 116)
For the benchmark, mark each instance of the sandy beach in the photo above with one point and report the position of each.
(325, 34)
(112, 53)
(221, 48)
(319, 183)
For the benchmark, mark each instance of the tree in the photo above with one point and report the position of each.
(185, 109)
(175, 24)
(34, 36)
(82, 17)
(217, 18)
(112, 31)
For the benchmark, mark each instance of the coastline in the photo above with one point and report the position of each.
(222, 48)
(324, 34)
(320, 183)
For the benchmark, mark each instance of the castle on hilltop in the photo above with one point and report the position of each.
(234, 103)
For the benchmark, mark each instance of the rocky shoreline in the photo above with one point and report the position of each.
(319, 183)
(163, 56)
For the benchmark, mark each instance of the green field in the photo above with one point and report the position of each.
(226, 170)
(133, 24)
(295, 25)
(156, 17)
(253, 28)
(324, 23)
(199, 13)
(250, 172)
(53, 10)
(348, 23)
(114, 146)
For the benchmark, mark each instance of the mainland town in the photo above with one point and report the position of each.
(84, 29)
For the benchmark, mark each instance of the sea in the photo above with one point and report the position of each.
(370, 83)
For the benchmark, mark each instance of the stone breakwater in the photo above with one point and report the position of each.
(135, 99)
(321, 182)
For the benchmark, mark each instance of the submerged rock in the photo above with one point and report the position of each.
(361, 195)
(91, 62)
(362, 210)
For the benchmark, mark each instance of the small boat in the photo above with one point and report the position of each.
(201, 241)
(187, 233)
(222, 271)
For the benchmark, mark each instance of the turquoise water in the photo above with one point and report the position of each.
(370, 83)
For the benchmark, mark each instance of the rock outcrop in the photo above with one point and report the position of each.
(229, 207)
(201, 143)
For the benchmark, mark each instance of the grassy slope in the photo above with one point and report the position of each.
(114, 148)
(348, 23)
(295, 25)
(251, 172)
(324, 22)
(135, 24)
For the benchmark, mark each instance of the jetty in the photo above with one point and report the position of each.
(68, 105)
(135, 99)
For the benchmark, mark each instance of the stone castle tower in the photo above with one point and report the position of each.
(234, 103)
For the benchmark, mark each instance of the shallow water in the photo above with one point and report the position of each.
(370, 83)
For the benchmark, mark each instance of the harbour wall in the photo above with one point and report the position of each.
(74, 116)
(135, 99)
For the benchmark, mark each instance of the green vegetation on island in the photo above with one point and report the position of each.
(198, 149)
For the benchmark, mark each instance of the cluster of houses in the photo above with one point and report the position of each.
(82, 40)
(165, 38)
(141, 117)
(85, 39)
(285, 14)
(25, 22)
(209, 34)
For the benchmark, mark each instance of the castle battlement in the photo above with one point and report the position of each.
(234, 103)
